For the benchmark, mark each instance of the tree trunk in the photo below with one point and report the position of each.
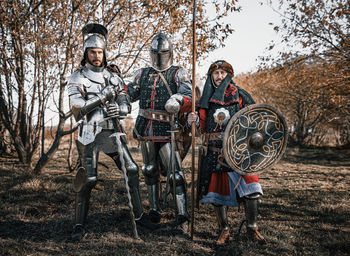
(46, 157)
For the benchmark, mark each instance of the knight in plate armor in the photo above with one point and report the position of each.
(219, 184)
(97, 95)
(163, 90)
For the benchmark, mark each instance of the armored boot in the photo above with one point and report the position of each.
(182, 217)
(132, 169)
(82, 186)
(141, 218)
(251, 213)
(221, 217)
(81, 210)
(153, 199)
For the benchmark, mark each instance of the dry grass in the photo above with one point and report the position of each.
(305, 211)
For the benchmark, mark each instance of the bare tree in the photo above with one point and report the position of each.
(317, 65)
(41, 45)
(301, 90)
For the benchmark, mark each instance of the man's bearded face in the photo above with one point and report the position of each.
(218, 76)
(95, 56)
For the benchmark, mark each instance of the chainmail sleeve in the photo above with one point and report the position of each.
(134, 86)
(184, 83)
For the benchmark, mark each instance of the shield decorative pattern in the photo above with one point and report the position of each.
(255, 139)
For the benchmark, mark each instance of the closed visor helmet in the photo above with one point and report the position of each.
(161, 52)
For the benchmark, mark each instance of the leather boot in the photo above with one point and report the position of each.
(254, 235)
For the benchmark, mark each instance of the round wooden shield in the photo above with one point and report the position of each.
(255, 138)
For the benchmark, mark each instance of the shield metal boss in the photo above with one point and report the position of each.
(255, 138)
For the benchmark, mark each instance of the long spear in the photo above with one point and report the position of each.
(193, 110)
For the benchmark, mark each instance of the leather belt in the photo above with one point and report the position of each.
(155, 115)
(153, 138)
(215, 136)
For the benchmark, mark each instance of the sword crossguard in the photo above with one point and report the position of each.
(174, 131)
(117, 134)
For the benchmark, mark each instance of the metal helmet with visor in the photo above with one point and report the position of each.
(161, 52)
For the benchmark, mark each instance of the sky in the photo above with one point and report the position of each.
(252, 35)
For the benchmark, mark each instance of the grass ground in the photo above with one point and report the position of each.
(305, 211)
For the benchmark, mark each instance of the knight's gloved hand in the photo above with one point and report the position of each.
(124, 109)
(108, 93)
(192, 118)
(174, 104)
(112, 109)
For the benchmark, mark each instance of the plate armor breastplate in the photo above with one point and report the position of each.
(86, 84)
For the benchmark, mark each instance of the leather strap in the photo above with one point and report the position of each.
(166, 83)
(223, 164)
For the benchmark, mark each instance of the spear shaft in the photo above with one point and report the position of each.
(193, 132)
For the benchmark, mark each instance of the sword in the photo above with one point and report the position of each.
(173, 160)
(117, 136)
(172, 163)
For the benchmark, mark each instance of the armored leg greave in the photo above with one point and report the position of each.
(85, 181)
(135, 196)
(221, 216)
(151, 172)
(153, 197)
(251, 210)
(181, 202)
(82, 202)
(181, 197)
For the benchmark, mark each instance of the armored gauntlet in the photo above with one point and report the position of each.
(81, 107)
(174, 104)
